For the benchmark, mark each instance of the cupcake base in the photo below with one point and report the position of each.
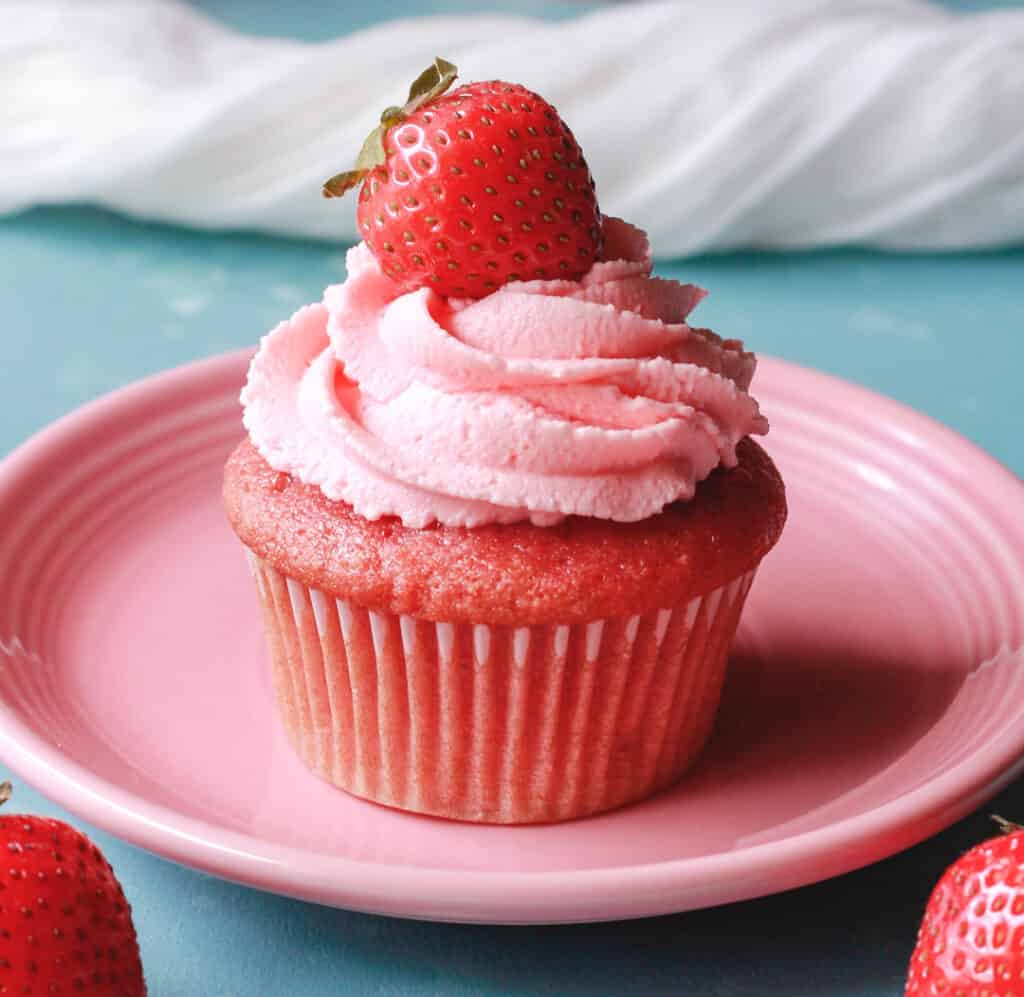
(493, 723)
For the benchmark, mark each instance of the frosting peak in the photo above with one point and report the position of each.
(544, 399)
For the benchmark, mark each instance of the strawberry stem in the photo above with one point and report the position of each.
(6, 792)
(1006, 826)
(428, 86)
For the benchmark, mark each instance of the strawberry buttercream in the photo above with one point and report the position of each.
(541, 400)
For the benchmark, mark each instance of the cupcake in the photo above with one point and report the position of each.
(501, 500)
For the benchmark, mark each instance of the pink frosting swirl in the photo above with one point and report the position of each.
(541, 400)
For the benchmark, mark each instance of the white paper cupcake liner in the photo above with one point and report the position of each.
(496, 723)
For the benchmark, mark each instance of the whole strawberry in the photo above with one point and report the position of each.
(468, 190)
(65, 926)
(971, 941)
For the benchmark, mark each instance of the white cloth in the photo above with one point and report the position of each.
(710, 123)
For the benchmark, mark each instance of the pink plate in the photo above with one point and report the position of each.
(876, 692)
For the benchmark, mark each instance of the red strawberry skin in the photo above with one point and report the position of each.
(65, 926)
(481, 186)
(971, 941)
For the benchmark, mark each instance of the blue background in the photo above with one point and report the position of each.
(92, 301)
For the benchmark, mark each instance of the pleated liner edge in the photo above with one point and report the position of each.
(496, 724)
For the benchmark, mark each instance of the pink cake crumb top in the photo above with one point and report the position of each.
(517, 573)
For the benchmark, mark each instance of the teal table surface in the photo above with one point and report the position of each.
(92, 301)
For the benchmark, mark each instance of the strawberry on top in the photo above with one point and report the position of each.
(466, 190)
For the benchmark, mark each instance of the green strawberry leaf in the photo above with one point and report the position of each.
(431, 83)
(341, 183)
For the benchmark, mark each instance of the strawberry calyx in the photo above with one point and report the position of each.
(428, 86)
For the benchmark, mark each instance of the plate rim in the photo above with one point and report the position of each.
(611, 892)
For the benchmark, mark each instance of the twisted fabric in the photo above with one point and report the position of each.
(795, 123)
